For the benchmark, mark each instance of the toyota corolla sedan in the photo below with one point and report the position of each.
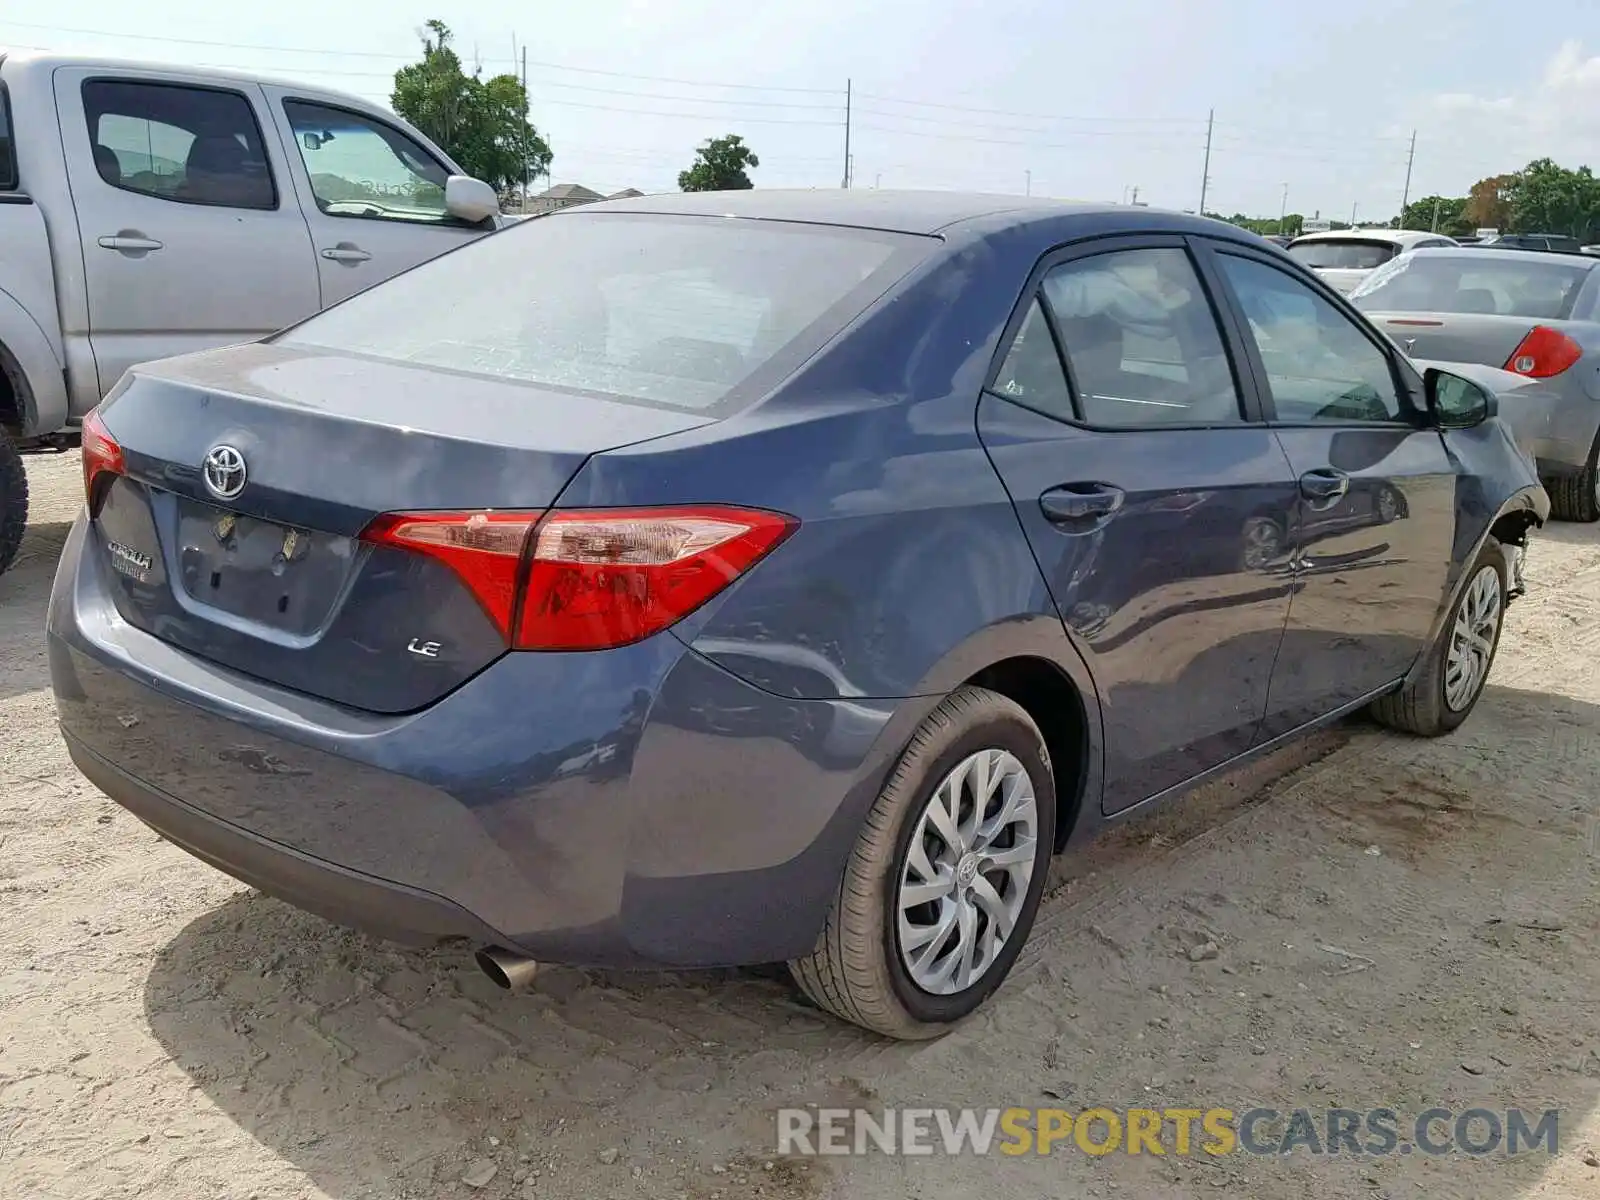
(716, 579)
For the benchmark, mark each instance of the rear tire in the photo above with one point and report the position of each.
(13, 500)
(1432, 704)
(1573, 497)
(861, 969)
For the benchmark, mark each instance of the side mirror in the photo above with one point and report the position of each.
(1456, 402)
(312, 141)
(471, 199)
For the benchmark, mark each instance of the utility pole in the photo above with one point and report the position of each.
(1437, 200)
(847, 88)
(1205, 173)
(1283, 212)
(1027, 187)
(525, 180)
(876, 180)
(1135, 200)
(1405, 196)
(1353, 214)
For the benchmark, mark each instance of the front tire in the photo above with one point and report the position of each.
(1452, 679)
(13, 500)
(944, 882)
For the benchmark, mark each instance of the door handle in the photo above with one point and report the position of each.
(129, 241)
(1325, 483)
(1070, 502)
(346, 252)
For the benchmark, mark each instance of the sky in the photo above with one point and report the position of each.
(1062, 98)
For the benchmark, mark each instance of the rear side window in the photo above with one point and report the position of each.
(1141, 340)
(189, 145)
(1350, 254)
(1031, 374)
(8, 146)
(692, 313)
(1538, 288)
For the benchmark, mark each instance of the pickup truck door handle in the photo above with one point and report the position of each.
(1073, 502)
(1325, 483)
(129, 241)
(346, 252)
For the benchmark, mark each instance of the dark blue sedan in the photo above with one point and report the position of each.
(737, 578)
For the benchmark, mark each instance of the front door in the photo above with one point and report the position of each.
(1157, 508)
(1376, 508)
(373, 195)
(191, 234)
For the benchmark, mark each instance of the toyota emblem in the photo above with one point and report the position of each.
(224, 472)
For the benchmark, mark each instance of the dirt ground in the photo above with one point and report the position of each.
(165, 1032)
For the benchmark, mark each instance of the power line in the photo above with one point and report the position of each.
(998, 112)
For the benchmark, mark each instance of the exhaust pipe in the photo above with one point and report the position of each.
(510, 970)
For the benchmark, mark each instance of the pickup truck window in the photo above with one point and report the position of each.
(190, 145)
(364, 168)
(8, 153)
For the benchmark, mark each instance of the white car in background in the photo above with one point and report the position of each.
(1345, 257)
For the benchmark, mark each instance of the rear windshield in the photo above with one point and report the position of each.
(1353, 254)
(1471, 282)
(688, 312)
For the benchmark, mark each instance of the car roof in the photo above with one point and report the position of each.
(918, 212)
(1393, 237)
(18, 62)
(1475, 253)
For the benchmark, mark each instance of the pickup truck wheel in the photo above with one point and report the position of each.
(942, 887)
(13, 500)
(1451, 680)
(1576, 496)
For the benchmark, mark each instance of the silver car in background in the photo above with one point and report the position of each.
(1343, 258)
(1532, 314)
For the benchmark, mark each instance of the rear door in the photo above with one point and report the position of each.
(373, 195)
(1376, 505)
(1157, 508)
(191, 236)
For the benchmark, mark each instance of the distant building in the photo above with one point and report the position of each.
(563, 195)
(626, 194)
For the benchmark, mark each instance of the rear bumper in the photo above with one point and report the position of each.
(638, 807)
(1557, 427)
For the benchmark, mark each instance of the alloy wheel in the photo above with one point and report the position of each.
(1472, 639)
(966, 874)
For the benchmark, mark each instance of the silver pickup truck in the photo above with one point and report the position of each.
(148, 210)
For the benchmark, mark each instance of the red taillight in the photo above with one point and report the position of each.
(483, 548)
(594, 579)
(1543, 353)
(101, 454)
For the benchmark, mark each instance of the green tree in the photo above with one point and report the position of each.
(482, 124)
(721, 165)
(1545, 197)
(1448, 211)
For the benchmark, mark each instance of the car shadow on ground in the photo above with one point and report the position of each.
(376, 1070)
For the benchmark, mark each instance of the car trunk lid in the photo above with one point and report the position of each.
(271, 577)
(1485, 338)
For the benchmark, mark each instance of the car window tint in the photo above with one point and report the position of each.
(1319, 364)
(1470, 282)
(1032, 373)
(684, 312)
(186, 144)
(1141, 340)
(8, 155)
(1352, 254)
(365, 168)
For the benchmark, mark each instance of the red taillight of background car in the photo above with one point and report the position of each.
(101, 454)
(589, 580)
(1543, 353)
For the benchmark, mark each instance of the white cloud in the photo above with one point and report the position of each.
(1557, 115)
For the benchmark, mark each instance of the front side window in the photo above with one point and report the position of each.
(1320, 366)
(1342, 254)
(190, 145)
(363, 167)
(1141, 340)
